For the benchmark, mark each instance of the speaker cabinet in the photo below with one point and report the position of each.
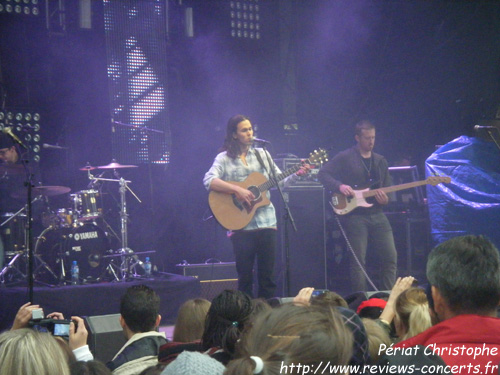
(106, 336)
(307, 250)
(212, 288)
(214, 277)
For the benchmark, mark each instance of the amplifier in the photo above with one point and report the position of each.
(214, 277)
(306, 181)
(210, 271)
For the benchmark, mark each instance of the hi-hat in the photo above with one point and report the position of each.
(48, 191)
(115, 165)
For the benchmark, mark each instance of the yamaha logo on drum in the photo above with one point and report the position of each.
(85, 235)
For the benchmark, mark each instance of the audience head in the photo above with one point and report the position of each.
(376, 337)
(139, 309)
(292, 334)
(194, 363)
(226, 319)
(329, 298)
(371, 308)
(26, 352)
(412, 313)
(464, 274)
(68, 353)
(191, 320)
(89, 368)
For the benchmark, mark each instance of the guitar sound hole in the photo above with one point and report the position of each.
(255, 191)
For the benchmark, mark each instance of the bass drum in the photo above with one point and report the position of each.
(87, 244)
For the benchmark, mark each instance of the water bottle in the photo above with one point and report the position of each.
(147, 267)
(75, 273)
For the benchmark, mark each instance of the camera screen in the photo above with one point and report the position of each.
(317, 292)
(61, 329)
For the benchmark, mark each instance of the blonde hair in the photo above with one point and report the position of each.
(376, 337)
(26, 352)
(191, 320)
(292, 334)
(412, 312)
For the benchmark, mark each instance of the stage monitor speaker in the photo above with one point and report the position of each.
(211, 289)
(214, 277)
(106, 336)
(307, 246)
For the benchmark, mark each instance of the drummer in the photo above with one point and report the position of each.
(8, 151)
(12, 177)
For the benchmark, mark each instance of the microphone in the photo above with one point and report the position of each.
(8, 130)
(53, 147)
(483, 127)
(254, 139)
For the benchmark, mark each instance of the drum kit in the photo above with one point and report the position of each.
(71, 233)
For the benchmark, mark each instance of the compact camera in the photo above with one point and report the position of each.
(56, 327)
(318, 292)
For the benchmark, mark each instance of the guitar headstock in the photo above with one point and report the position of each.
(434, 180)
(318, 156)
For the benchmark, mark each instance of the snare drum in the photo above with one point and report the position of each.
(88, 203)
(87, 244)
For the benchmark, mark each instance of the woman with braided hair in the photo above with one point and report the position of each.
(227, 317)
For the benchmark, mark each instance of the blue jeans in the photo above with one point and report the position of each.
(373, 231)
(248, 245)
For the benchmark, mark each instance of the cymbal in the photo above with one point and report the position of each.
(88, 167)
(48, 191)
(11, 169)
(115, 165)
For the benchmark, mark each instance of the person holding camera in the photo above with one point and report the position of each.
(30, 315)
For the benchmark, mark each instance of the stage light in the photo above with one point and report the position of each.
(246, 12)
(29, 133)
(23, 7)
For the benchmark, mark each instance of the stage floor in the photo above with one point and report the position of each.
(98, 299)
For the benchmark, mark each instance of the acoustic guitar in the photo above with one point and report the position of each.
(233, 214)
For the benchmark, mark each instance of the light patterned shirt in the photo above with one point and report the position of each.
(228, 169)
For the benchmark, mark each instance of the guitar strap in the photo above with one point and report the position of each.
(259, 158)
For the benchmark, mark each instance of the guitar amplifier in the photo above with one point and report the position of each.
(210, 271)
(214, 277)
(309, 180)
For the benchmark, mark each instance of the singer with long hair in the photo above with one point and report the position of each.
(256, 241)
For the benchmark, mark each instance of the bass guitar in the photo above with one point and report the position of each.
(233, 214)
(343, 205)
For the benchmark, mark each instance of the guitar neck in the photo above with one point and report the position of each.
(274, 181)
(390, 189)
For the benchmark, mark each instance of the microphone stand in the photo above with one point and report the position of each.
(287, 216)
(29, 225)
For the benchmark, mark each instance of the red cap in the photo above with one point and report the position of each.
(372, 302)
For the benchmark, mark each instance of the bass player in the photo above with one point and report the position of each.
(357, 168)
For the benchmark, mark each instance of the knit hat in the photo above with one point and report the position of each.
(194, 363)
(372, 302)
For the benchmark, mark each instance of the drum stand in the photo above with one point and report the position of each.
(11, 266)
(129, 259)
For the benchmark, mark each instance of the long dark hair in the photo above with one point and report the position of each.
(231, 145)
